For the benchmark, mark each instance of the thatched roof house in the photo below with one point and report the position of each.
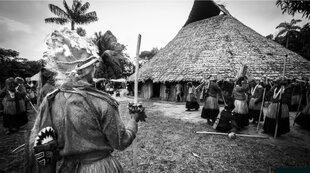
(219, 45)
(212, 42)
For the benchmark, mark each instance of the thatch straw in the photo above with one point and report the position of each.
(219, 45)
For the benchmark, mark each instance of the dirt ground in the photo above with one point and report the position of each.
(167, 142)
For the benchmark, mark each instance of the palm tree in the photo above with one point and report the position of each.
(289, 29)
(76, 15)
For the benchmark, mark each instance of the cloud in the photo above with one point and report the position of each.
(13, 25)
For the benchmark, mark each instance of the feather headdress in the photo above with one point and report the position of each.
(67, 53)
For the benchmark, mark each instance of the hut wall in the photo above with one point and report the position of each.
(147, 90)
(163, 93)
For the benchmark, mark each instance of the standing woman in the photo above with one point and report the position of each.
(191, 100)
(211, 107)
(241, 107)
(281, 94)
(14, 108)
(256, 101)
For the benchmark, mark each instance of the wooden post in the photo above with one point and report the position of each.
(284, 68)
(134, 143)
(279, 112)
(261, 109)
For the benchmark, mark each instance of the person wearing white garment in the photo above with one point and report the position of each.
(256, 101)
(278, 111)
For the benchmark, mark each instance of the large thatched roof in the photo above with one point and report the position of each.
(220, 45)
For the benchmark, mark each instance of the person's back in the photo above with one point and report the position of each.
(76, 122)
(83, 138)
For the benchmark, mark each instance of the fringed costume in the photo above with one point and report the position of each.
(281, 98)
(191, 100)
(255, 103)
(210, 107)
(241, 107)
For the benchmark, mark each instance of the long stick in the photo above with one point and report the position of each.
(19, 147)
(284, 68)
(261, 109)
(297, 109)
(226, 134)
(34, 108)
(278, 116)
(134, 144)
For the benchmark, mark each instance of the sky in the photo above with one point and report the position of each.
(23, 29)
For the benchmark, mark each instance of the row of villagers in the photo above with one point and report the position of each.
(213, 42)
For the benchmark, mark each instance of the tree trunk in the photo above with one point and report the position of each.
(287, 38)
(72, 25)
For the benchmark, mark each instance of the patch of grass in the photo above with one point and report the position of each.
(170, 145)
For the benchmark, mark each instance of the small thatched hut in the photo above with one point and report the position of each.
(212, 42)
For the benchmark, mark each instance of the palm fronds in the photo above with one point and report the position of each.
(57, 20)
(58, 11)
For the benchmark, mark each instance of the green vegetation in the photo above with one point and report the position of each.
(75, 15)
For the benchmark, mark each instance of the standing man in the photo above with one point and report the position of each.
(179, 92)
(77, 123)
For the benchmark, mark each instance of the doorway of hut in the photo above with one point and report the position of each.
(156, 90)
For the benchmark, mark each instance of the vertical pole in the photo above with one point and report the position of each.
(261, 109)
(284, 68)
(134, 144)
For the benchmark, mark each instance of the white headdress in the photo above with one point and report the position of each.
(67, 53)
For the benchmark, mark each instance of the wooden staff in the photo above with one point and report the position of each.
(278, 116)
(226, 134)
(18, 148)
(284, 68)
(261, 109)
(33, 107)
(134, 144)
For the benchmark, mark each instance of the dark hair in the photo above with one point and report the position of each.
(239, 81)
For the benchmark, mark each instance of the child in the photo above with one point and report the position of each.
(225, 121)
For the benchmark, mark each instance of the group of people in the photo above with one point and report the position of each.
(14, 104)
(244, 101)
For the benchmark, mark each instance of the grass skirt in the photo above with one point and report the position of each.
(254, 106)
(241, 107)
(209, 113)
(192, 105)
(295, 99)
(272, 110)
(211, 103)
(283, 126)
(106, 165)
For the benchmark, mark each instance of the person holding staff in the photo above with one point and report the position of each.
(78, 123)
(278, 111)
(256, 102)
(241, 107)
(210, 97)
